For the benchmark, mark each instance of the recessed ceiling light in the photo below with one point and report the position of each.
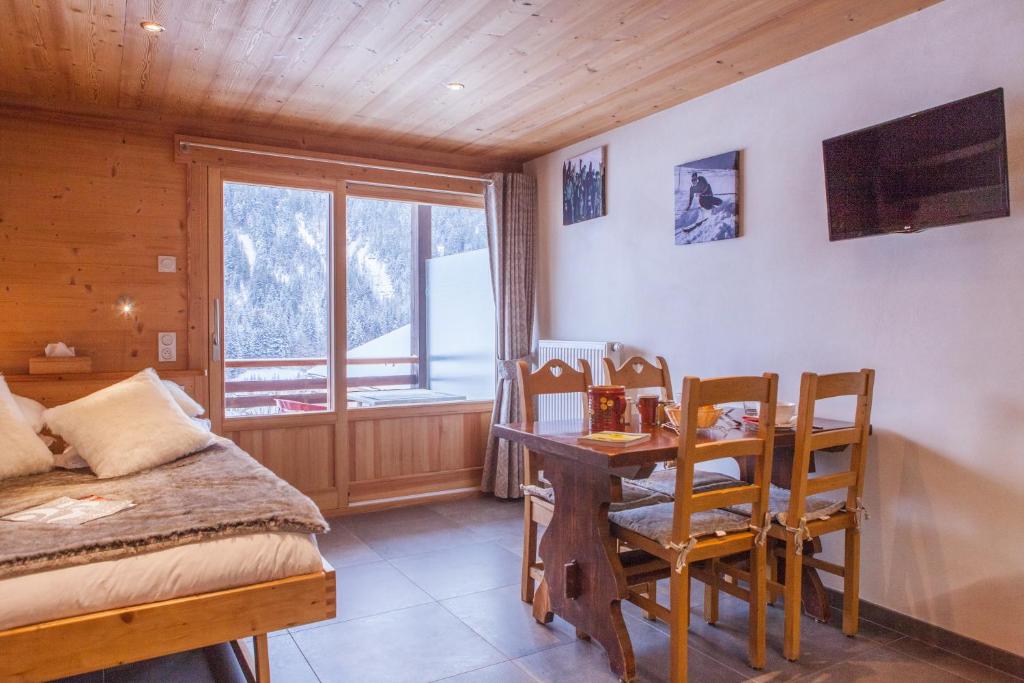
(152, 26)
(455, 85)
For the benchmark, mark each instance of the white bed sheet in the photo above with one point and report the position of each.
(172, 573)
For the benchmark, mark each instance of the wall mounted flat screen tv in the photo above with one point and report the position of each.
(938, 167)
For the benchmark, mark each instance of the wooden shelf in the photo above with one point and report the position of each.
(101, 376)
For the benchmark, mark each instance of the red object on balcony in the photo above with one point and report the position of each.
(287, 406)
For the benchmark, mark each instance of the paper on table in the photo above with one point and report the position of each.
(616, 438)
(71, 511)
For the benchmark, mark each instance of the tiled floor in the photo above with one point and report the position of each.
(431, 593)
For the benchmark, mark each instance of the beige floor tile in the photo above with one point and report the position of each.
(414, 645)
(461, 570)
(368, 589)
(883, 665)
(507, 623)
(506, 672)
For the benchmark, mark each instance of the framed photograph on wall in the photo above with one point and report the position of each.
(583, 187)
(707, 199)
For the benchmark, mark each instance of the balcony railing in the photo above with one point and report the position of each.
(263, 393)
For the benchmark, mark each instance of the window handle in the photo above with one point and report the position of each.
(215, 351)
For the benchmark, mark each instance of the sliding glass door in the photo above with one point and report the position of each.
(277, 294)
(275, 275)
(346, 320)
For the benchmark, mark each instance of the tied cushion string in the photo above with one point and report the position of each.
(860, 513)
(762, 531)
(802, 533)
(684, 549)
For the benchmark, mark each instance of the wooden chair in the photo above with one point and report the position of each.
(801, 514)
(639, 373)
(693, 529)
(809, 515)
(554, 377)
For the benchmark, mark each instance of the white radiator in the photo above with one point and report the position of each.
(570, 406)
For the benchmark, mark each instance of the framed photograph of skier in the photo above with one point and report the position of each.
(583, 187)
(707, 199)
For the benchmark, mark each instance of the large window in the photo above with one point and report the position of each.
(420, 312)
(277, 283)
(420, 307)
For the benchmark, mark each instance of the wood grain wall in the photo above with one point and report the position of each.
(84, 213)
(401, 451)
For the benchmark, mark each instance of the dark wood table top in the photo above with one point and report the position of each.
(563, 439)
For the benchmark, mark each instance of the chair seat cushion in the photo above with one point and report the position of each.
(664, 481)
(655, 522)
(632, 495)
(817, 507)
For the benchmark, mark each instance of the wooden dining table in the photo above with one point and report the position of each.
(584, 581)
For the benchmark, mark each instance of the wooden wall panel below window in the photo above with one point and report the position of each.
(395, 452)
(303, 456)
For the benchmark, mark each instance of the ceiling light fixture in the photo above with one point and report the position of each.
(455, 85)
(152, 27)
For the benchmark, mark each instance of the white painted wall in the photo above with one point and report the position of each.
(939, 315)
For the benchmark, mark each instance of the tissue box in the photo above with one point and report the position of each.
(42, 365)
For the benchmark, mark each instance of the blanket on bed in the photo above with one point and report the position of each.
(219, 491)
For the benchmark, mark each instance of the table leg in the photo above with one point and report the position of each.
(815, 598)
(583, 580)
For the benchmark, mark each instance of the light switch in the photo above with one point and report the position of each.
(167, 346)
(166, 264)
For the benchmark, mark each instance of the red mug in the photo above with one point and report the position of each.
(607, 404)
(648, 407)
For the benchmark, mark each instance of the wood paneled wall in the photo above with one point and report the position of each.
(53, 390)
(401, 451)
(301, 454)
(84, 213)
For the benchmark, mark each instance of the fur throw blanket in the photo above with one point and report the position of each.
(219, 491)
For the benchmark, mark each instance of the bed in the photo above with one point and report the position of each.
(204, 558)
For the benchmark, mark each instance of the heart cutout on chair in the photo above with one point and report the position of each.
(556, 371)
(638, 367)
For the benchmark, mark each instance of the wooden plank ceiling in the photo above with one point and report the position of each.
(539, 74)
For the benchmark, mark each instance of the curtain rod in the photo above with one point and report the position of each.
(427, 190)
(185, 145)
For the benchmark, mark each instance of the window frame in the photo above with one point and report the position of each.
(421, 203)
(335, 281)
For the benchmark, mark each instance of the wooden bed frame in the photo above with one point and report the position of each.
(89, 642)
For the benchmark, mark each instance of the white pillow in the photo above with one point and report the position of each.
(184, 401)
(22, 452)
(127, 427)
(71, 460)
(32, 411)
